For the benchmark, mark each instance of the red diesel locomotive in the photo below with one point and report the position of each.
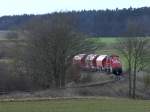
(95, 62)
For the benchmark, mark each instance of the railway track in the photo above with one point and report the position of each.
(91, 84)
(102, 83)
(8, 98)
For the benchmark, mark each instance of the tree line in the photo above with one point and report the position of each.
(93, 22)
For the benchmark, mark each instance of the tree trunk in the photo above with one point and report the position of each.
(134, 81)
(63, 76)
(130, 73)
(130, 82)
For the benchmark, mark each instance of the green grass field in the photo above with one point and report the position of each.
(106, 40)
(77, 105)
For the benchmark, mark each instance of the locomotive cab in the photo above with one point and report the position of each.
(116, 65)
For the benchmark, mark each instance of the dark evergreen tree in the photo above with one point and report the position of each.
(93, 23)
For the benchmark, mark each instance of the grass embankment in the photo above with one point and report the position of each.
(109, 43)
(77, 105)
(106, 40)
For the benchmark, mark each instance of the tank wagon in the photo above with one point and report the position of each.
(96, 62)
(90, 62)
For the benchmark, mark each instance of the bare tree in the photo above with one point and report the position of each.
(51, 43)
(12, 35)
(135, 50)
(140, 57)
(126, 49)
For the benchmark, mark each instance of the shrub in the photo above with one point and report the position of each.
(146, 79)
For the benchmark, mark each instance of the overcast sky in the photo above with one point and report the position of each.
(17, 7)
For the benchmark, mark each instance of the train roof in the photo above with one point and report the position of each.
(79, 56)
(101, 57)
(91, 56)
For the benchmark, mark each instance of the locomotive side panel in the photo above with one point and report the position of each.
(116, 65)
(101, 62)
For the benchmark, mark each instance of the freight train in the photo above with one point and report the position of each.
(95, 62)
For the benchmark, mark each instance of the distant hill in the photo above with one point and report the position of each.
(94, 23)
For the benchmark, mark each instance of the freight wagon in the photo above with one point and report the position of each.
(96, 62)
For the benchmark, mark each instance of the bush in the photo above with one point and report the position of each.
(73, 73)
(9, 81)
(146, 79)
(86, 77)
